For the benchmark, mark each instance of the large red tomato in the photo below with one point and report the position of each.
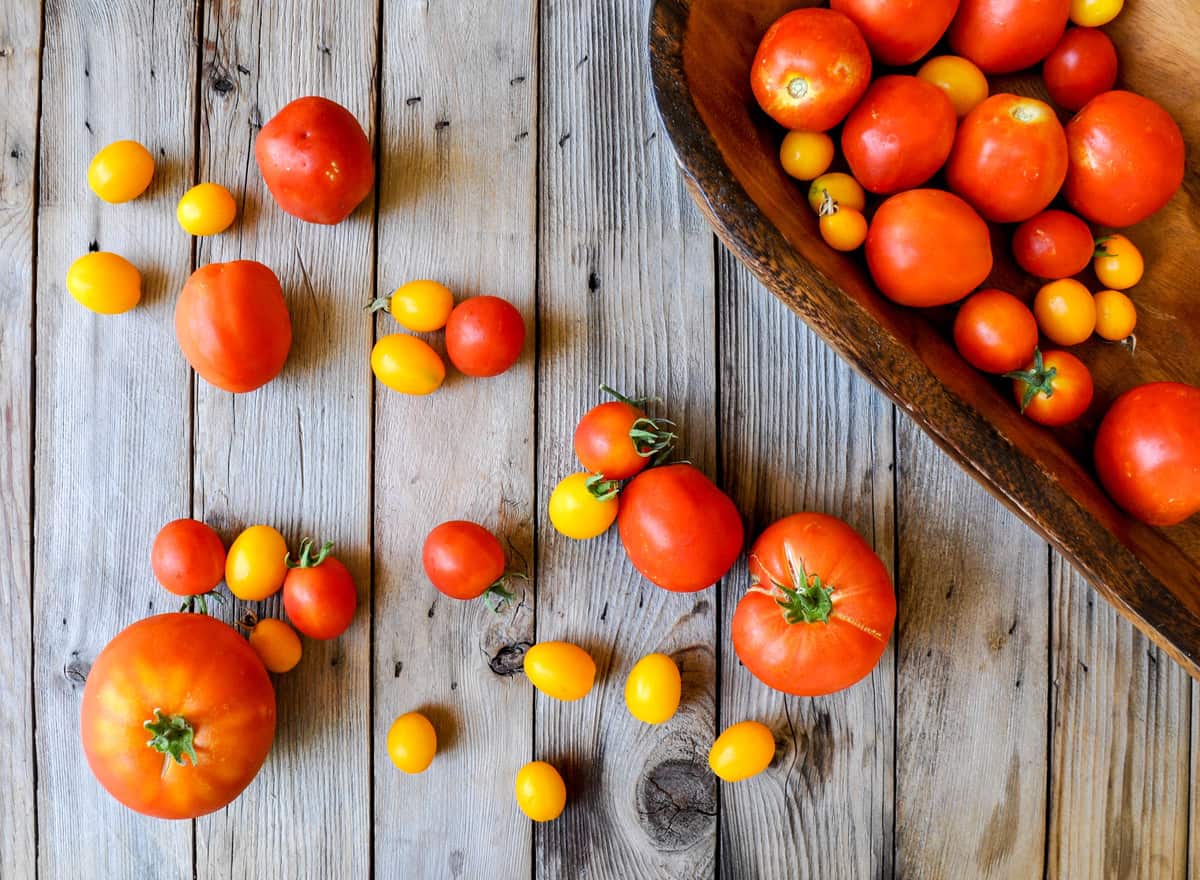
(1082, 66)
(1009, 159)
(1148, 452)
(316, 160)
(811, 67)
(1001, 36)
(178, 716)
(1126, 159)
(899, 31)
(820, 608)
(927, 247)
(680, 530)
(233, 325)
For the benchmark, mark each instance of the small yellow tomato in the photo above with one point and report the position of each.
(276, 644)
(1065, 311)
(407, 364)
(412, 742)
(584, 505)
(1118, 263)
(842, 188)
(1093, 13)
(743, 750)
(652, 689)
(121, 171)
(1115, 315)
(560, 670)
(256, 564)
(105, 283)
(206, 209)
(421, 306)
(541, 792)
(963, 83)
(843, 229)
(806, 154)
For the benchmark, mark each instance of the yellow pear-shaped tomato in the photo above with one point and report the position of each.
(105, 283)
(541, 792)
(745, 749)
(256, 566)
(407, 364)
(652, 689)
(276, 644)
(412, 742)
(560, 670)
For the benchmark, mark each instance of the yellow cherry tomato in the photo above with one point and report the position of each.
(256, 566)
(121, 171)
(842, 188)
(105, 283)
(1115, 315)
(541, 792)
(412, 742)
(1118, 263)
(652, 689)
(1093, 13)
(806, 154)
(560, 670)
(744, 749)
(963, 82)
(843, 229)
(276, 644)
(1065, 311)
(583, 505)
(421, 306)
(206, 209)
(407, 364)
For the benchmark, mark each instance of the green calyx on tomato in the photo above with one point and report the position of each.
(602, 489)
(810, 603)
(199, 602)
(1039, 379)
(382, 304)
(173, 736)
(652, 438)
(306, 559)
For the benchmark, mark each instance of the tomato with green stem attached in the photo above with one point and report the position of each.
(584, 505)
(1118, 262)
(188, 559)
(1054, 390)
(465, 561)
(319, 595)
(617, 438)
(421, 306)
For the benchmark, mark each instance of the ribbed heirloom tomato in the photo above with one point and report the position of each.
(465, 561)
(1082, 66)
(899, 33)
(1053, 244)
(995, 332)
(1006, 35)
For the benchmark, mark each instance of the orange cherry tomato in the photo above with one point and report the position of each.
(842, 188)
(843, 229)
(1118, 263)
(275, 643)
(995, 332)
(1054, 389)
(1065, 311)
(963, 82)
(1116, 315)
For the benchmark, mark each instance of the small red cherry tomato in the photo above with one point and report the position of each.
(465, 561)
(484, 336)
(1053, 244)
(188, 557)
(1054, 390)
(318, 593)
(1082, 66)
(995, 332)
(617, 439)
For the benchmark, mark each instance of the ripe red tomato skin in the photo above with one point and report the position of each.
(1008, 169)
(898, 33)
(1053, 244)
(679, 530)
(1126, 159)
(995, 332)
(320, 600)
(806, 44)
(603, 444)
(1082, 66)
(463, 559)
(233, 325)
(1147, 452)
(316, 160)
(899, 134)
(1002, 36)
(484, 336)
(1072, 391)
(188, 557)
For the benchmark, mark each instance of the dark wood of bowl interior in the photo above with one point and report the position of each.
(727, 149)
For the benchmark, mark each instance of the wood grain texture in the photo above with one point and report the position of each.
(627, 298)
(972, 659)
(812, 437)
(20, 56)
(111, 444)
(458, 203)
(1119, 749)
(295, 453)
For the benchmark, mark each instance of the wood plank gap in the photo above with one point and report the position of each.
(896, 627)
(538, 494)
(1049, 710)
(719, 594)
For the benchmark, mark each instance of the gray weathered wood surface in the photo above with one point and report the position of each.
(1017, 727)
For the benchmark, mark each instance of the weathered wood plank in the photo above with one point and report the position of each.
(458, 199)
(1119, 752)
(112, 420)
(819, 438)
(20, 49)
(295, 453)
(971, 676)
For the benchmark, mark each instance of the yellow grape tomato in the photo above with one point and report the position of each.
(206, 209)
(560, 669)
(540, 791)
(121, 171)
(412, 742)
(105, 283)
(407, 364)
(743, 750)
(255, 567)
(652, 689)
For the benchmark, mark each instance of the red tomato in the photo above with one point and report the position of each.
(1082, 66)
(899, 135)
(178, 715)
(1001, 36)
(318, 593)
(1126, 159)
(1053, 244)
(464, 560)
(617, 439)
(484, 336)
(1054, 389)
(680, 530)
(899, 32)
(188, 557)
(1009, 158)
(927, 247)
(820, 608)
(233, 325)
(1148, 452)
(315, 160)
(811, 67)
(995, 332)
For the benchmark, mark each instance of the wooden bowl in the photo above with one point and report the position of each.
(727, 148)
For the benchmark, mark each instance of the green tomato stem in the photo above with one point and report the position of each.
(173, 736)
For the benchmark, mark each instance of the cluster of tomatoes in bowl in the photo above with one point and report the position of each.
(946, 159)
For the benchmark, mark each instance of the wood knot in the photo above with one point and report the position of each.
(510, 659)
(77, 671)
(223, 85)
(677, 803)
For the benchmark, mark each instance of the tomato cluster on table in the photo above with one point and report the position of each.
(945, 159)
